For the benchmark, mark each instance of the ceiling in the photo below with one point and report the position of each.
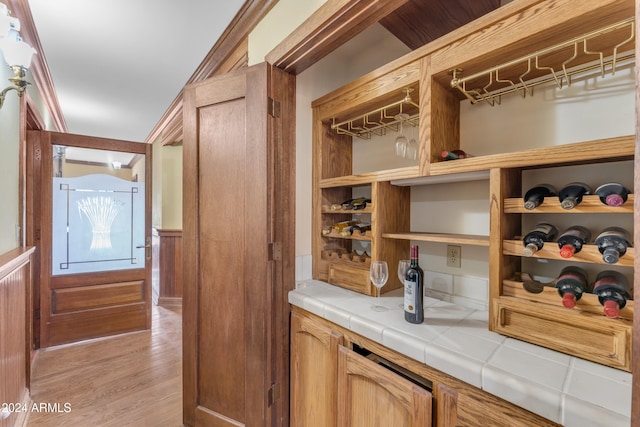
(118, 64)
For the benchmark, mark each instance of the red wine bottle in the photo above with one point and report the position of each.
(571, 241)
(613, 290)
(454, 154)
(534, 240)
(413, 290)
(571, 284)
(571, 195)
(612, 193)
(535, 195)
(612, 243)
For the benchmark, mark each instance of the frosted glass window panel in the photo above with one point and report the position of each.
(98, 224)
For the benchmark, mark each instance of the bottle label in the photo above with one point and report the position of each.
(410, 289)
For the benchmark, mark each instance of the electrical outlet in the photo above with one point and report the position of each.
(454, 254)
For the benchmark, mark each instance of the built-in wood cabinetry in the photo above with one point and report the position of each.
(341, 378)
(481, 62)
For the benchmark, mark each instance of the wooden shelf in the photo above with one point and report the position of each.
(550, 250)
(588, 303)
(461, 239)
(589, 204)
(327, 210)
(368, 178)
(614, 149)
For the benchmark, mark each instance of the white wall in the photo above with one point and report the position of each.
(167, 187)
(9, 165)
(281, 20)
(10, 161)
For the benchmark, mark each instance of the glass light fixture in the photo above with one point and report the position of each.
(17, 53)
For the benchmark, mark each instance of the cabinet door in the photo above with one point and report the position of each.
(370, 395)
(314, 367)
(479, 409)
(238, 248)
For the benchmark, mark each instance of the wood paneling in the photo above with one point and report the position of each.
(95, 296)
(167, 267)
(15, 347)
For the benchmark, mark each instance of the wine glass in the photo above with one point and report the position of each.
(379, 273)
(411, 152)
(402, 143)
(403, 266)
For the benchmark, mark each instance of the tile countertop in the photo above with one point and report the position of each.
(456, 340)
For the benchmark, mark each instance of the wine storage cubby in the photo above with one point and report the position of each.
(521, 33)
(525, 303)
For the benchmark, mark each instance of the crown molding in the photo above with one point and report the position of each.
(228, 53)
(39, 69)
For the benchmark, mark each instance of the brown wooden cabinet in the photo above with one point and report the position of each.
(361, 383)
(314, 367)
(463, 66)
(370, 395)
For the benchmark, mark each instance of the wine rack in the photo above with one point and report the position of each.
(520, 32)
(537, 315)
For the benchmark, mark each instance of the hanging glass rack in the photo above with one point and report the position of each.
(491, 84)
(377, 122)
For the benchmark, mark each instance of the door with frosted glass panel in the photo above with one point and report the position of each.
(95, 235)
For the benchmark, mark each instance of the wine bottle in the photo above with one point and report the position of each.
(535, 195)
(613, 290)
(534, 240)
(360, 203)
(454, 154)
(571, 241)
(362, 227)
(571, 284)
(612, 243)
(612, 193)
(571, 195)
(413, 290)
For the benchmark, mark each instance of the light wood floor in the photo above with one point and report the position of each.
(129, 380)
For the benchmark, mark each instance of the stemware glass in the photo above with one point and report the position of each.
(411, 152)
(403, 266)
(379, 273)
(402, 143)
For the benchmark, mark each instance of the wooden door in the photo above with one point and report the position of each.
(238, 234)
(95, 268)
(314, 372)
(370, 395)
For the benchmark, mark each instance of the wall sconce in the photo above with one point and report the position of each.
(16, 53)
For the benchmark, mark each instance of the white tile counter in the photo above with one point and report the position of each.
(456, 340)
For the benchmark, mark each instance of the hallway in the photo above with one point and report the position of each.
(129, 380)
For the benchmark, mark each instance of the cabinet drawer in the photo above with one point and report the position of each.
(596, 338)
(356, 279)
